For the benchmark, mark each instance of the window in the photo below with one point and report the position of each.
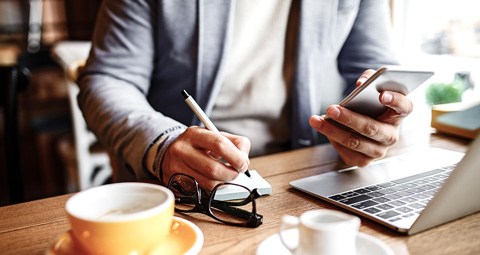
(439, 35)
(443, 35)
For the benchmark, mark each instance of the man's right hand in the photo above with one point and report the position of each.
(197, 152)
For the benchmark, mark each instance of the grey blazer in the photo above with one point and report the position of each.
(144, 52)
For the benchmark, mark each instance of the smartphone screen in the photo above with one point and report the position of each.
(365, 98)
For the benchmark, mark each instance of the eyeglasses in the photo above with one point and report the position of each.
(189, 197)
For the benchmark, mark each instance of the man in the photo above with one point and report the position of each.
(259, 69)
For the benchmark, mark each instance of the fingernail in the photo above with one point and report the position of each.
(246, 157)
(316, 121)
(333, 112)
(360, 81)
(243, 169)
(387, 97)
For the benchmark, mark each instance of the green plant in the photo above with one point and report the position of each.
(443, 93)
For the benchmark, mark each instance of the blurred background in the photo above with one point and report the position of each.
(28, 31)
(443, 36)
(439, 35)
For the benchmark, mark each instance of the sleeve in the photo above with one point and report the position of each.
(369, 44)
(116, 78)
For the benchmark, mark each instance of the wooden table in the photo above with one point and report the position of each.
(28, 228)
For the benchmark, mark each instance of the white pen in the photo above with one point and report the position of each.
(202, 116)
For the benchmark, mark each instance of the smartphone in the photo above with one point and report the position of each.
(365, 98)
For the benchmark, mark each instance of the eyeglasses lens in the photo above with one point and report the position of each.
(236, 211)
(185, 190)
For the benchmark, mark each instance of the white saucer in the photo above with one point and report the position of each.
(184, 238)
(366, 244)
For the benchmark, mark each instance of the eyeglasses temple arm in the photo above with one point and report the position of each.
(220, 205)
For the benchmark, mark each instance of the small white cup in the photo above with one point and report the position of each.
(323, 232)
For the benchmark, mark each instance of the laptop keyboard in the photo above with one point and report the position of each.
(398, 199)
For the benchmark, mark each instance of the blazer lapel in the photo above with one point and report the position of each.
(214, 33)
(316, 20)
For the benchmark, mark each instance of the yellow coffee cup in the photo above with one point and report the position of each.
(121, 218)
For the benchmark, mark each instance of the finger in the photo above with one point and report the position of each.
(181, 167)
(351, 157)
(207, 182)
(219, 145)
(365, 75)
(348, 139)
(208, 171)
(399, 106)
(210, 167)
(383, 133)
(241, 142)
(182, 156)
(213, 155)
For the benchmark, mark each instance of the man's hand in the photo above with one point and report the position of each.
(368, 138)
(197, 152)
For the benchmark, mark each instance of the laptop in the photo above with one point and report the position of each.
(409, 193)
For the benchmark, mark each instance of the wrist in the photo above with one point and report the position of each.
(163, 144)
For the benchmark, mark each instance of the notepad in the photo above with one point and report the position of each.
(254, 182)
(460, 119)
(468, 119)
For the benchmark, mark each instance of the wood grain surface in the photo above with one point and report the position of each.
(29, 228)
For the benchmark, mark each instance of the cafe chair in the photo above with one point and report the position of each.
(88, 164)
(93, 166)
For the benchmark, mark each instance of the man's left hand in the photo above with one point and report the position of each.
(368, 139)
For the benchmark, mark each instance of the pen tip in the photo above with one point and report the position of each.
(247, 173)
(185, 94)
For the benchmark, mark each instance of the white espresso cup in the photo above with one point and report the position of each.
(322, 232)
(120, 218)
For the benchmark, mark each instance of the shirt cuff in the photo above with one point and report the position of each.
(156, 152)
